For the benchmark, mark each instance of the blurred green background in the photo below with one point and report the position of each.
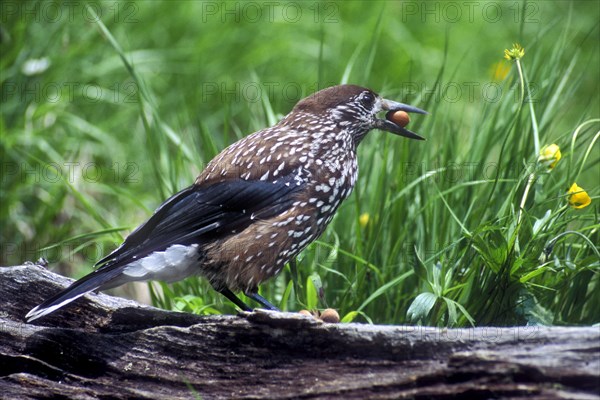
(95, 135)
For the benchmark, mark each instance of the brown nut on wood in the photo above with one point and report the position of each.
(330, 315)
(400, 118)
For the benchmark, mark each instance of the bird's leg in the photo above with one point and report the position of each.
(262, 301)
(229, 294)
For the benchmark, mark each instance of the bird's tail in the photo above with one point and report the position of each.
(99, 279)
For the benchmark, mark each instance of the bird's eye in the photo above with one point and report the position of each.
(367, 98)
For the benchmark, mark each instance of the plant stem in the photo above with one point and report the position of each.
(534, 125)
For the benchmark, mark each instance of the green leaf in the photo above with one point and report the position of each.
(286, 295)
(421, 306)
(452, 315)
(318, 284)
(532, 274)
(437, 271)
(311, 294)
(419, 266)
(465, 313)
(540, 223)
(384, 288)
(350, 317)
(492, 247)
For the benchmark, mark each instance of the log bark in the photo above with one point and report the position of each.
(106, 347)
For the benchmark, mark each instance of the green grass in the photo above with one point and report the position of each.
(466, 228)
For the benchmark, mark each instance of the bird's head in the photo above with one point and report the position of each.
(356, 110)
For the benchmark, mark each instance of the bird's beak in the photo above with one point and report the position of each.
(389, 126)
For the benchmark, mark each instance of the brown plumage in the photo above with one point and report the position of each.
(255, 206)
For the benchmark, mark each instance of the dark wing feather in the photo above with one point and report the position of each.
(198, 213)
(194, 215)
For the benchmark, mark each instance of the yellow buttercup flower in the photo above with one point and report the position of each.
(363, 220)
(550, 155)
(578, 197)
(517, 52)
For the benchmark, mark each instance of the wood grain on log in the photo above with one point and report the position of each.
(105, 347)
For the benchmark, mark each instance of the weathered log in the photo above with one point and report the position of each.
(105, 347)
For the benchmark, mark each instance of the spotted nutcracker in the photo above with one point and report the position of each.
(257, 204)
